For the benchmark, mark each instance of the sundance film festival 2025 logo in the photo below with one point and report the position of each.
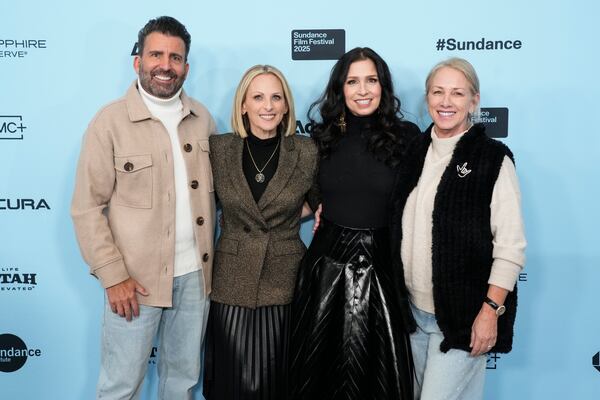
(495, 120)
(318, 44)
(14, 352)
(20, 48)
(12, 279)
(12, 127)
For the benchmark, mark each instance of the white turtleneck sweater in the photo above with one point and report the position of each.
(506, 224)
(170, 112)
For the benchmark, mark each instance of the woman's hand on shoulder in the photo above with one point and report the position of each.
(306, 211)
(317, 218)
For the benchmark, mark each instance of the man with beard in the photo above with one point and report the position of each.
(144, 210)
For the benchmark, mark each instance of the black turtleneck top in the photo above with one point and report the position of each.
(261, 151)
(355, 187)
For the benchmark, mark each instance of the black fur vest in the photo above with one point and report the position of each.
(461, 235)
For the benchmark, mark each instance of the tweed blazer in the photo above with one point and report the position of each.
(259, 249)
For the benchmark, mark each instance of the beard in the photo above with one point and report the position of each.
(163, 90)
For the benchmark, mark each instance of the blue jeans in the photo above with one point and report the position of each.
(126, 346)
(454, 375)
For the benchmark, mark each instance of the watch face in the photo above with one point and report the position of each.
(500, 310)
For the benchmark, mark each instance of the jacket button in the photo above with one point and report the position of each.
(264, 230)
(128, 166)
(194, 184)
(205, 257)
(247, 229)
(187, 147)
(200, 221)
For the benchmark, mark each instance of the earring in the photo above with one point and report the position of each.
(341, 122)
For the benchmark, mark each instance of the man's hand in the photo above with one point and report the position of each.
(122, 298)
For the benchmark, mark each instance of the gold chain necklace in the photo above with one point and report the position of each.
(260, 177)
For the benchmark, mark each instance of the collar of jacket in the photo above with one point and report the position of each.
(138, 111)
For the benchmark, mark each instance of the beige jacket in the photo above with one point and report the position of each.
(123, 205)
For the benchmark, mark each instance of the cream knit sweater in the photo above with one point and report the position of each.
(170, 112)
(506, 224)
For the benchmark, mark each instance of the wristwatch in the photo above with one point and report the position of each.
(500, 309)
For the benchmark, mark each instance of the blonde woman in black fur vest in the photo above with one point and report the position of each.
(459, 234)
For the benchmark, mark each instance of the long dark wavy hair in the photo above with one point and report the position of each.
(389, 133)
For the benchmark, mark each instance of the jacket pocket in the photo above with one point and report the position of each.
(229, 246)
(205, 163)
(134, 180)
(285, 247)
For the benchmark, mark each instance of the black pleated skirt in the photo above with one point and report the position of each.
(348, 340)
(246, 353)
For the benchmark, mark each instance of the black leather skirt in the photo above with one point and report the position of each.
(348, 340)
(246, 353)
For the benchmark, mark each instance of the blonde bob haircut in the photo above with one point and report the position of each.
(239, 121)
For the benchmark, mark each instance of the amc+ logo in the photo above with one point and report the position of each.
(11, 127)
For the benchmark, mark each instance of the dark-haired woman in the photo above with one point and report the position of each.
(350, 311)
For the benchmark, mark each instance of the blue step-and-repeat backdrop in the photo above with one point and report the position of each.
(60, 61)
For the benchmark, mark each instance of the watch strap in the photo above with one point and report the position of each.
(491, 303)
(498, 308)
